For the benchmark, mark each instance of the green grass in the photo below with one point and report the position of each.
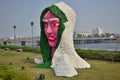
(100, 70)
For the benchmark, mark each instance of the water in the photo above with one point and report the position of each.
(103, 46)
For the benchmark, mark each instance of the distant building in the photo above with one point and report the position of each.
(97, 31)
(80, 34)
(75, 35)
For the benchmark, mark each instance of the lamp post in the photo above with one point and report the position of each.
(14, 27)
(32, 23)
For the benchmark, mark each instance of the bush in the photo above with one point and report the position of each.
(8, 72)
(24, 48)
(117, 57)
(91, 54)
(99, 54)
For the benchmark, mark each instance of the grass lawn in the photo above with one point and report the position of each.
(100, 70)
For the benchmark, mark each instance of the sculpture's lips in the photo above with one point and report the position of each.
(51, 39)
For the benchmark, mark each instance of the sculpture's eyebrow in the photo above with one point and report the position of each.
(52, 19)
(45, 20)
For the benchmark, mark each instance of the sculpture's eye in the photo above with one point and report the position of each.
(55, 23)
(45, 24)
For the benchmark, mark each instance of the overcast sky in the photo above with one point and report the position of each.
(90, 15)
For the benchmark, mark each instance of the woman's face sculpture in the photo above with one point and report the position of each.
(51, 25)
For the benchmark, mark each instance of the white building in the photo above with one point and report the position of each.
(98, 31)
(81, 34)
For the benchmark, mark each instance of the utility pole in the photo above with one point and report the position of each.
(32, 23)
(14, 27)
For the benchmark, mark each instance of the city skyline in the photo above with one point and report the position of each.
(90, 14)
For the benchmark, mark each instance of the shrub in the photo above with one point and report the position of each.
(99, 54)
(92, 54)
(24, 48)
(8, 72)
(117, 56)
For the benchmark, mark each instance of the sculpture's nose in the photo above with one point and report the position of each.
(49, 29)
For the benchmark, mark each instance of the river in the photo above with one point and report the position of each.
(101, 46)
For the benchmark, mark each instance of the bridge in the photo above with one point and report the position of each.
(94, 40)
(27, 41)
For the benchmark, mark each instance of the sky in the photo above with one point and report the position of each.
(90, 14)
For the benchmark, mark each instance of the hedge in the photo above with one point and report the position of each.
(91, 54)
(24, 48)
(99, 54)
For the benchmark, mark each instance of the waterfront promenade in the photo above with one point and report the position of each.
(95, 40)
(27, 41)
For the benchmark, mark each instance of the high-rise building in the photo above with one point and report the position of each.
(97, 31)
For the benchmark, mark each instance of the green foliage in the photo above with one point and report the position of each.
(24, 48)
(117, 57)
(99, 54)
(36, 49)
(8, 72)
(91, 54)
